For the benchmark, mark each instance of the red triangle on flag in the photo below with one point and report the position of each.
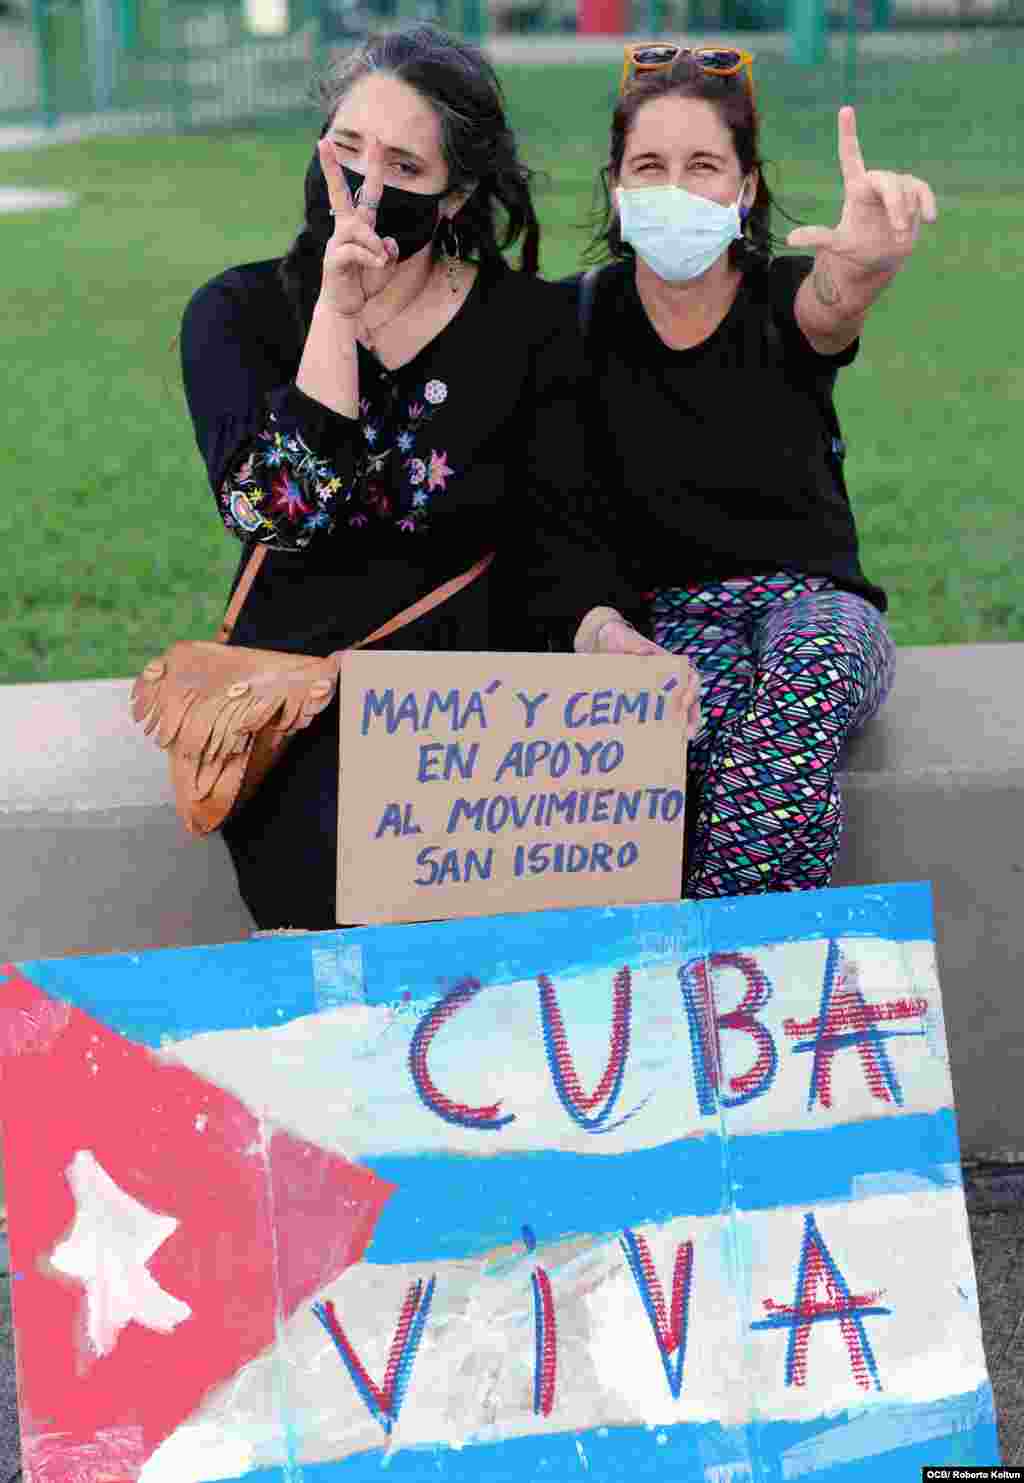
(264, 1221)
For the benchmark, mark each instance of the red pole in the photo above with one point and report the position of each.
(601, 17)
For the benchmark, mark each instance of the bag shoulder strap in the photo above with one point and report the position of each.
(426, 604)
(585, 303)
(240, 593)
(408, 615)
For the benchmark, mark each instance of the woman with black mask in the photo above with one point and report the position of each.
(383, 408)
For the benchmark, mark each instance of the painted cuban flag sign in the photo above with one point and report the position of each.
(664, 1192)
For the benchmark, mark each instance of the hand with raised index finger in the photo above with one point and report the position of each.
(357, 264)
(882, 211)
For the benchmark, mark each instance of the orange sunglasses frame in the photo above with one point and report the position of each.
(642, 69)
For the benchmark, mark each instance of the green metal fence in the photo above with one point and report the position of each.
(177, 64)
(166, 66)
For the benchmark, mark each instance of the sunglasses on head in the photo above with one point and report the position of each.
(644, 57)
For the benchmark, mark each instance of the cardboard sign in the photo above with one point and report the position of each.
(480, 783)
(667, 1192)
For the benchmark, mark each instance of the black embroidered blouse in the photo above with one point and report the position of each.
(473, 445)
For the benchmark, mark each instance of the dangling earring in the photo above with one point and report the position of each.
(451, 257)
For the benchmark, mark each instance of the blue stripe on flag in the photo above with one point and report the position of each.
(172, 993)
(889, 1444)
(487, 1200)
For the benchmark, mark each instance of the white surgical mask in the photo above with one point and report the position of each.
(678, 235)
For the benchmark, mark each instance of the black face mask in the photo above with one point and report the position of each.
(407, 216)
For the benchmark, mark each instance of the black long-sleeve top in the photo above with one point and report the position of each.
(473, 445)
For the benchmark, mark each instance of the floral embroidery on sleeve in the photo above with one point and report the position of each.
(399, 492)
(282, 494)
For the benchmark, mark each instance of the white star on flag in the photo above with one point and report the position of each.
(107, 1248)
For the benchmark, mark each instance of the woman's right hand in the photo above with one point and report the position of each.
(358, 265)
(616, 636)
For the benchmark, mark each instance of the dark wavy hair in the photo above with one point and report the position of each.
(730, 97)
(478, 146)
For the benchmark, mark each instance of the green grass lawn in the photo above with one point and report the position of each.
(114, 547)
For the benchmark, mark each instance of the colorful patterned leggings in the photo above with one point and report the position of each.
(789, 667)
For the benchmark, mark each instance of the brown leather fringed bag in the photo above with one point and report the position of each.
(224, 715)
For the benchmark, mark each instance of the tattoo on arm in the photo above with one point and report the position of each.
(825, 287)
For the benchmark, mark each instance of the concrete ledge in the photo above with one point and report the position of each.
(92, 853)
(935, 791)
(94, 860)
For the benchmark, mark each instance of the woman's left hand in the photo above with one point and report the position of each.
(882, 211)
(616, 636)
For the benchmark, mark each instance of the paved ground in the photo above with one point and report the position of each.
(995, 1205)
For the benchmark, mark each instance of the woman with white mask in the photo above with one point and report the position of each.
(712, 420)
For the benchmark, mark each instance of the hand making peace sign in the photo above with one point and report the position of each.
(882, 211)
(357, 264)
